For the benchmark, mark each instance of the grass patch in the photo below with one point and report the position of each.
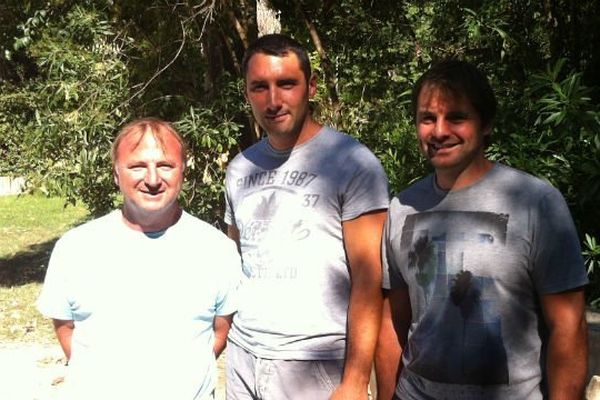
(29, 227)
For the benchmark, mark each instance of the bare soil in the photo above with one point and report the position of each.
(34, 372)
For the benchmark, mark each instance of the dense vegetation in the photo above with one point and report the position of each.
(73, 71)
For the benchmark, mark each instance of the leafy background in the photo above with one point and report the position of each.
(73, 71)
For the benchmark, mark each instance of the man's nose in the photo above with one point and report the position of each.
(274, 99)
(152, 177)
(441, 128)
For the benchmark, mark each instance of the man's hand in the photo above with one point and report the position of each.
(350, 391)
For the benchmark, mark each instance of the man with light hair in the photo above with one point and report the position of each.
(142, 298)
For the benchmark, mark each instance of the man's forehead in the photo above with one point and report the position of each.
(276, 64)
(441, 96)
(163, 141)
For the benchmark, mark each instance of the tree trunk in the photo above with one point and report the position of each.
(328, 70)
(267, 19)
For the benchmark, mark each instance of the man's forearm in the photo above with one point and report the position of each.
(64, 333)
(566, 357)
(221, 326)
(387, 355)
(566, 363)
(362, 240)
(364, 319)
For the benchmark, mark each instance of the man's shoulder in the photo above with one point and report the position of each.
(420, 188)
(523, 181)
(341, 140)
(249, 152)
(200, 229)
(347, 153)
(94, 226)
(88, 233)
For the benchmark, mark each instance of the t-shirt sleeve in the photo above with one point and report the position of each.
(391, 275)
(53, 301)
(557, 261)
(367, 186)
(232, 276)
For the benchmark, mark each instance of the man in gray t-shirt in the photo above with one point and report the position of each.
(481, 263)
(306, 206)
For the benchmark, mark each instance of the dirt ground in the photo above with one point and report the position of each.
(33, 372)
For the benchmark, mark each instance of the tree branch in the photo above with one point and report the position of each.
(326, 63)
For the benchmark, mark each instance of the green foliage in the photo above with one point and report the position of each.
(67, 115)
(72, 72)
(562, 144)
(212, 140)
(591, 253)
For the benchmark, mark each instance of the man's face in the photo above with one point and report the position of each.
(278, 93)
(449, 130)
(149, 174)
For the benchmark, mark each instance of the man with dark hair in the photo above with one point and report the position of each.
(482, 265)
(142, 298)
(306, 206)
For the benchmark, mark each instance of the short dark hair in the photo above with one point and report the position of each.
(279, 45)
(460, 78)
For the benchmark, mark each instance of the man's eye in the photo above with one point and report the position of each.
(287, 84)
(258, 88)
(457, 118)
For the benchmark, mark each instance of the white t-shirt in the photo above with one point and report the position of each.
(143, 307)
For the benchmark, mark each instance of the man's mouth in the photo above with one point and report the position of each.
(152, 194)
(276, 117)
(441, 146)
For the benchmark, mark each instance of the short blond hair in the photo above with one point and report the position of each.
(158, 128)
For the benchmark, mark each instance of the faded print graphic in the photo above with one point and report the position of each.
(273, 225)
(459, 337)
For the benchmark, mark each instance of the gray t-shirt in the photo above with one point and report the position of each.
(475, 262)
(289, 208)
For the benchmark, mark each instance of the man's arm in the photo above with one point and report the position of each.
(566, 360)
(64, 332)
(221, 325)
(234, 234)
(395, 321)
(362, 240)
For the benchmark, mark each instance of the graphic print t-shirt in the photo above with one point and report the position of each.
(475, 262)
(289, 208)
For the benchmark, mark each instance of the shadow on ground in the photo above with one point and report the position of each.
(27, 266)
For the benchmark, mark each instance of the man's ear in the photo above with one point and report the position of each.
(312, 86)
(487, 131)
(115, 176)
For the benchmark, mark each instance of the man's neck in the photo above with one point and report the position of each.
(151, 222)
(310, 128)
(456, 180)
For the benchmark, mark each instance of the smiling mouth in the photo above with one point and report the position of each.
(441, 146)
(276, 117)
(152, 194)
